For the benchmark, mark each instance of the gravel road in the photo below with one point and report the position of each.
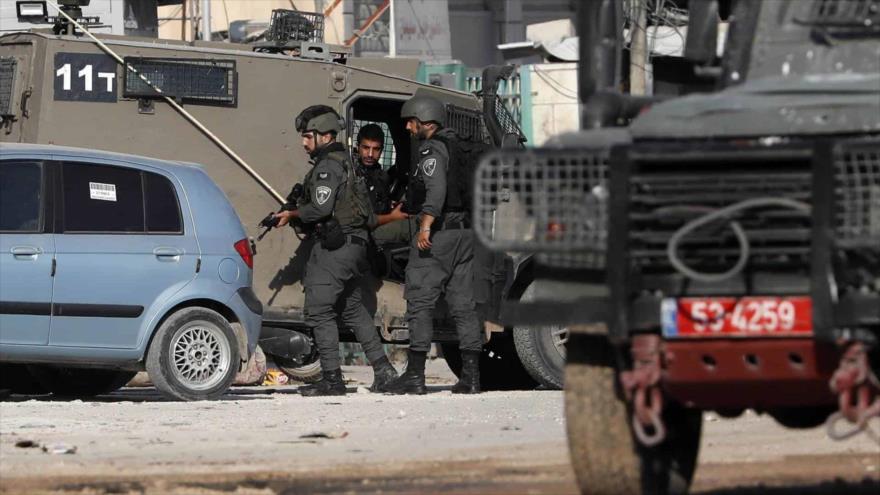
(270, 440)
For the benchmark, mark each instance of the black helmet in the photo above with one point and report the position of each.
(319, 118)
(424, 108)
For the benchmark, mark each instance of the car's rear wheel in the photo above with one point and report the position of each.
(79, 382)
(541, 349)
(605, 456)
(194, 355)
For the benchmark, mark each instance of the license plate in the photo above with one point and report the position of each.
(737, 317)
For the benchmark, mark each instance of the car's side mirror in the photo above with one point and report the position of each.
(702, 35)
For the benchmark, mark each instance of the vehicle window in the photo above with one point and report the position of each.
(163, 210)
(20, 196)
(102, 198)
(389, 152)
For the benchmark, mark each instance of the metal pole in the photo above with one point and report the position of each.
(206, 20)
(638, 64)
(183, 21)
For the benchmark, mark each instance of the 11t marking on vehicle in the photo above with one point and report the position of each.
(85, 77)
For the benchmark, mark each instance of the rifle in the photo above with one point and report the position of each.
(270, 221)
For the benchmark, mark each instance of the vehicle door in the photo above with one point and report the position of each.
(26, 252)
(123, 248)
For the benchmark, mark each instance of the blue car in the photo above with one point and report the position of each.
(111, 264)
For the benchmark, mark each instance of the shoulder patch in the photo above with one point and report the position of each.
(322, 194)
(429, 166)
(323, 175)
(426, 151)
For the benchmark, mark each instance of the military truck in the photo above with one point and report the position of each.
(67, 90)
(714, 252)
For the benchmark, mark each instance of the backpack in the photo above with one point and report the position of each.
(356, 208)
(464, 156)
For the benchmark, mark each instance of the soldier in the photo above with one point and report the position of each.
(441, 255)
(340, 213)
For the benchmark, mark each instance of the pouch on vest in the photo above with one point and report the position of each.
(354, 208)
(330, 234)
(416, 192)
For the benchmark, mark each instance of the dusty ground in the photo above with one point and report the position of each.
(271, 441)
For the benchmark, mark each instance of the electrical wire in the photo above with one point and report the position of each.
(725, 213)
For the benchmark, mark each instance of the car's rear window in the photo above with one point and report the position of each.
(20, 196)
(109, 199)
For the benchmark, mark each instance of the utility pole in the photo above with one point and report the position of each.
(638, 52)
(206, 20)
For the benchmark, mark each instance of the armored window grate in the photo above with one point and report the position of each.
(389, 152)
(506, 119)
(857, 191)
(467, 123)
(553, 202)
(855, 17)
(202, 81)
(8, 67)
(290, 25)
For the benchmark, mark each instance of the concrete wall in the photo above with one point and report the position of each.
(552, 100)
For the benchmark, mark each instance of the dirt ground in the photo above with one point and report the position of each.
(269, 440)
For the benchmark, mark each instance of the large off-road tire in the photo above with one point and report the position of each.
(802, 417)
(541, 349)
(194, 355)
(307, 373)
(79, 382)
(500, 367)
(16, 378)
(604, 454)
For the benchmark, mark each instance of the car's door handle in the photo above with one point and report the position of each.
(25, 252)
(167, 253)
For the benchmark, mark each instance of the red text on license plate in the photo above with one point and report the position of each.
(728, 316)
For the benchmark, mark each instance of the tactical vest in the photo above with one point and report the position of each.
(353, 207)
(460, 170)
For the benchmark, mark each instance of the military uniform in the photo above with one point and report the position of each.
(447, 267)
(332, 277)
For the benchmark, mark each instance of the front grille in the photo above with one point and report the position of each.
(7, 85)
(549, 201)
(857, 194)
(666, 194)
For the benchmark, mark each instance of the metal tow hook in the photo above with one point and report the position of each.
(858, 395)
(642, 387)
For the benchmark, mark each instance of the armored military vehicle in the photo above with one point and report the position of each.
(65, 89)
(718, 251)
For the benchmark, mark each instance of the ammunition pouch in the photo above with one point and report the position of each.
(330, 234)
(416, 192)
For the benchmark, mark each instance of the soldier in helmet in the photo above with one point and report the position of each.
(441, 255)
(336, 204)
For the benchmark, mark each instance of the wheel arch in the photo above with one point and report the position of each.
(212, 304)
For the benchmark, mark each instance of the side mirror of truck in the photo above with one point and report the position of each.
(702, 35)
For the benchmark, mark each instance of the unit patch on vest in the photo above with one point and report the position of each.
(429, 166)
(322, 194)
(323, 175)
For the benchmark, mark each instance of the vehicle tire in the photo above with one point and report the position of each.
(79, 382)
(604, 454)
(541, 349)
(307, 373)
(801, 417)
(500, 367)
(17, 379)
(194, 355)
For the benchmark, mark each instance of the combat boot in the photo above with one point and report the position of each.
(383, 374)
(469, 381)
(412, 381)
(330, 384)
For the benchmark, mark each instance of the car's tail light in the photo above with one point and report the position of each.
(243, 248)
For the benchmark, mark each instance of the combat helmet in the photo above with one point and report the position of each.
(424, 108)
(319, 118)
